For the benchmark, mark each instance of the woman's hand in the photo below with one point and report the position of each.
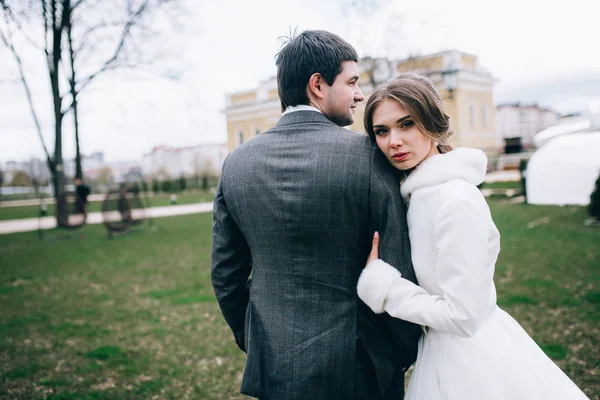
(374, 255)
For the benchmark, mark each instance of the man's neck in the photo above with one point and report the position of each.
(300, 107)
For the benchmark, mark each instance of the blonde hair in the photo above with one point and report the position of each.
(423, 103)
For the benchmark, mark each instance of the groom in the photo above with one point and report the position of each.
(296, 208)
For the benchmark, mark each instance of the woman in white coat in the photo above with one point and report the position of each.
(471, 349)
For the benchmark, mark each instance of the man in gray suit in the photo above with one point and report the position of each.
(296, 208)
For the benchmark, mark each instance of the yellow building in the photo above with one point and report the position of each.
(467, 91)
(251, 112)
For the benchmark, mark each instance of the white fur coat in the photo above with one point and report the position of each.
(454, 244)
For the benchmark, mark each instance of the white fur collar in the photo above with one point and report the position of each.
(461, 163)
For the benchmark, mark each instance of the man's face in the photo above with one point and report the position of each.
(341, 98)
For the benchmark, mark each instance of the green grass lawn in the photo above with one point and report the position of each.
(7, 213)
(135, 317)
(18, 196)
(502, 185)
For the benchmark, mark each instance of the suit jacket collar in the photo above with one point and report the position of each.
(302, 117)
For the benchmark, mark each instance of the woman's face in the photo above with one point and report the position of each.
(398, 136)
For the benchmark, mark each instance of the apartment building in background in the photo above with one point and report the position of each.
(165, 162)
(466, 88)
(517, 124)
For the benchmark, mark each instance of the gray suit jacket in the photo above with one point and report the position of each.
(296, 208)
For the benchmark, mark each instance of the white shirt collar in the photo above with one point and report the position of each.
(300, 107)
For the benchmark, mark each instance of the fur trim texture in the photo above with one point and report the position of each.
(375, 281)
(461, 163)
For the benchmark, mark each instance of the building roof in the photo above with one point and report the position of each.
(433, 55)
(524, 106)
(159, 148)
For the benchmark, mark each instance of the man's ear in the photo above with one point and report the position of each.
(315, 85)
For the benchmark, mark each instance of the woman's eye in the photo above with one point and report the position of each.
(407, 124)
(379, 132)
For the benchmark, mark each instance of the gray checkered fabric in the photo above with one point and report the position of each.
(296, 208)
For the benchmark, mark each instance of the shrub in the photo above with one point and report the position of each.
(594, 207)
(523, 163)
(182, 183)
(21, 178)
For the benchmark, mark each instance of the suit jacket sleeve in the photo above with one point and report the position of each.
(388, 217)
(463, 274)
(230, 266)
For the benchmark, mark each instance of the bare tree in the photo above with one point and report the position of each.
(35, 182)
(7, 32)
(21, 178)
(100, 36)
(116, 40)
(378, 32)
(1, 177)
(105, 176)
(52, 13)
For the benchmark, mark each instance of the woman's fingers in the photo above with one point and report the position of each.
(374, 255)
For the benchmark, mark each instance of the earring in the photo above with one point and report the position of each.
(435, 144)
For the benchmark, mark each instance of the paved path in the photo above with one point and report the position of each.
(33, 224)
(503, 176)
(47, 200)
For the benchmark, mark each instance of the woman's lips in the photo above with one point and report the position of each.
(400, 156)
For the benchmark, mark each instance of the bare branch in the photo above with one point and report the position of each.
(8, 43)
(125, 34)
(10, 16)
(111, 67)
(93, 29)
(46, 27)
(77, 4)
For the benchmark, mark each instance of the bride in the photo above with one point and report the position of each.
(472, 349)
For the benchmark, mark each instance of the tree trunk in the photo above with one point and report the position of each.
(73, 88)
(58, 178)
(78, 168)
(62, 212)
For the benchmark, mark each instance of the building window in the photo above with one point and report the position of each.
(240, 137)
(472, 114)
(484, 115)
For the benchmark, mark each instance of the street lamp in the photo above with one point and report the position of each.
(450, 77)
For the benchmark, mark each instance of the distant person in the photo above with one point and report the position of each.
(523, 171)
(82, 191)
(296, 207)
(124, 205)
(472, 350)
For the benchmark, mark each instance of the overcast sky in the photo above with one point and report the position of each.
(538, 52)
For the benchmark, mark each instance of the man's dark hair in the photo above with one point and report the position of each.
(304, 55)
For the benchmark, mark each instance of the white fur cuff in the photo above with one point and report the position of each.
(374, 283)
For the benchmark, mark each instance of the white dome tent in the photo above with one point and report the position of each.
(564, 170)
(567, 125)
